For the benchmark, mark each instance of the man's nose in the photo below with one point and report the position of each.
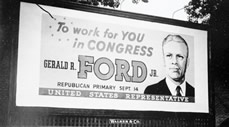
(174, 60)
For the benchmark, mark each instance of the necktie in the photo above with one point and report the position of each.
(178, 89)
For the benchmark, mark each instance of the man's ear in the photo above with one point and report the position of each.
(163, 59)
(188, 60)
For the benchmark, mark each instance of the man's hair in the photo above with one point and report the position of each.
(176, 38)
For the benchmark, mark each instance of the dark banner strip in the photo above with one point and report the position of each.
(113, 95)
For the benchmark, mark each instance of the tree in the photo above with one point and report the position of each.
(201, 11)
(110, 3)
(211, 12)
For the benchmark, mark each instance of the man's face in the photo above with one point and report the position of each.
(175, 59)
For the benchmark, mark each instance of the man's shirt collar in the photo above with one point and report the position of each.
(172, 87)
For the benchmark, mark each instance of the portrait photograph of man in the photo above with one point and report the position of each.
(176, 61)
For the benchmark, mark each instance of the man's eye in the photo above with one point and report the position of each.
(169, 55)
(180, 57)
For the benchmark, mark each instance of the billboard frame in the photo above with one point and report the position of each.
(15, 110)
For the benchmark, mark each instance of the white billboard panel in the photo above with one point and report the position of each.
(78, 59)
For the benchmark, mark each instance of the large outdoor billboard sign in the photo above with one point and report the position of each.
(77, 59)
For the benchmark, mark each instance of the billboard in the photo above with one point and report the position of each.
(83, 60)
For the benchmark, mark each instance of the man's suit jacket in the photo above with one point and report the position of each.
(161, 88)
